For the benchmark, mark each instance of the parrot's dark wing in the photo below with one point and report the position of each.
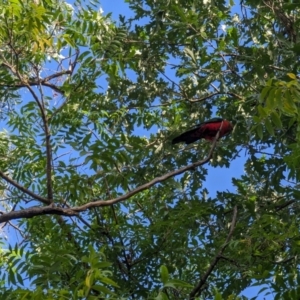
(207, 130)
(188, 137)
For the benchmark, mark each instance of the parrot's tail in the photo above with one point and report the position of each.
(187, 137)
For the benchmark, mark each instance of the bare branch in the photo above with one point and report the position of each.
(74, 63)
(34, 83)
(37, 211)
(197, 289)
(214, 94)
(48, 143)
(55, 75)
(23, 189)
(203, 98)
(284, 205)
(148, 185)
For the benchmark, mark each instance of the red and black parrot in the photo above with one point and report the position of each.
(206, 130)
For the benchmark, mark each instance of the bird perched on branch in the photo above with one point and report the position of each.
(206, 130)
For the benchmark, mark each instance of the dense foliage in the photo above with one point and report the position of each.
(96, 201)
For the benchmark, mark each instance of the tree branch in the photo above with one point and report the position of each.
(47, 140)
(284, 205)
(148, 185)
(23, 189)
(214, 94)
(44, 81)
(36, 211)
(197, 288)
(55, 75)
(34, 83)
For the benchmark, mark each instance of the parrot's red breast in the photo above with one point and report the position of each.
(206, 130)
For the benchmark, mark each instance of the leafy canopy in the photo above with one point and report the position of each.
(102, 204)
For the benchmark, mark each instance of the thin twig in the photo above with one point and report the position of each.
(197, 289)
(284, 205)
(48, 142)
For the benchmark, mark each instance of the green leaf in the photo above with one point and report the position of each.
(108, 281)
(264, 92)
(276, 119)
(102, 289)
(291, 75)
(262, 111)
(161, 296)
(278, 98)
(289, 107)
(259, 130)
(191, 54)
(177, 283)
(164, 274)
(218, 296)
